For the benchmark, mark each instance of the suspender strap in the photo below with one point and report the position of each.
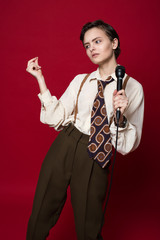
(125, 82)
(76, 107)
(82, 83)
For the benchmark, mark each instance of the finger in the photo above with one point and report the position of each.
(32, 60)
(32, 67)
(35, 68)
(36, 61)
(115, 92)
(121, 104)
(121, 92)
(118, 97)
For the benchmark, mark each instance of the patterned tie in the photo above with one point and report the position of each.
(99, 146)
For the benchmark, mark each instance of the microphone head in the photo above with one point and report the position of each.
(120, 71)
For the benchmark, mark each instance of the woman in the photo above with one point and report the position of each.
(68, 161)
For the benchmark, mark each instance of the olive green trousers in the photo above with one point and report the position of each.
(67, 163)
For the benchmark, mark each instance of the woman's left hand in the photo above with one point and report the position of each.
(120, 101)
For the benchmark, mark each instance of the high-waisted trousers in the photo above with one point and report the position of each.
(67, 163)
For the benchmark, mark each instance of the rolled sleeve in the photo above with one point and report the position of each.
(58, 113)
(126, 138)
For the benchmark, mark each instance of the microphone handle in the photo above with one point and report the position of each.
(119, 87)
(119, 83)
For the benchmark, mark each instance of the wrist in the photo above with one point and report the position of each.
(40, 79)
(42, 84)
(122, 121)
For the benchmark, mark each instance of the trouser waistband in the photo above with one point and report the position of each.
(71, 130)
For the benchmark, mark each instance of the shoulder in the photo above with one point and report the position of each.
(80, 77)
(133, 84)
(76, 83)
(134, 89)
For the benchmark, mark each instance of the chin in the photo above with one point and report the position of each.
(101, 61)
(96, 61)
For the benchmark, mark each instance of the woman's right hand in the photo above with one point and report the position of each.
(34, 69)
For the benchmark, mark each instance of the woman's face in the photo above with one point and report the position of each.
(99, 47)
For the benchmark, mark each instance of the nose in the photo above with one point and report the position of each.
(92, 47)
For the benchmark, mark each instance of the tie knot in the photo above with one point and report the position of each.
(102, 84)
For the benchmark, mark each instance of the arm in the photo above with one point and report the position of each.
(53, 112)
(132, 106)
(56, 112)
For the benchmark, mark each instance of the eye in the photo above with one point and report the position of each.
(97, 41)
(86, 46)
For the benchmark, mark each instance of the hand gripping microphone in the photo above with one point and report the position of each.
(120, 72)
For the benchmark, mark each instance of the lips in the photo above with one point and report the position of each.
(95, 55)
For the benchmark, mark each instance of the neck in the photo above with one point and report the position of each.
(107, 68)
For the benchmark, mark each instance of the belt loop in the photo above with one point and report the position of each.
(69, 129)
(65, 129)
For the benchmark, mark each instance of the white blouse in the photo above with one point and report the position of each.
(59, 113)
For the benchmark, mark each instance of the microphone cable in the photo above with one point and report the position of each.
(120, 72)
(111, 179)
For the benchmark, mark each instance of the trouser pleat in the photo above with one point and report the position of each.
(67, 162)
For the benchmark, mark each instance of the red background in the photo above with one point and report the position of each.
(50, 30)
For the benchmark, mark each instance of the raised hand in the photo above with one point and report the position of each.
(34, 69)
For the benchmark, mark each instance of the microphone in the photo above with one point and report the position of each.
(120, 72)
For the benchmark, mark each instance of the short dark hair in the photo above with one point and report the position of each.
(108, 29)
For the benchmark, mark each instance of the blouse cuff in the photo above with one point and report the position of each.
(45, 97)
(120, 129)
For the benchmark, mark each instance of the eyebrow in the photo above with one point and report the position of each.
(92, 41)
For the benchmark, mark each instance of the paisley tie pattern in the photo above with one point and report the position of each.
(99, 146)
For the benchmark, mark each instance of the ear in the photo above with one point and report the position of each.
(115, 43)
